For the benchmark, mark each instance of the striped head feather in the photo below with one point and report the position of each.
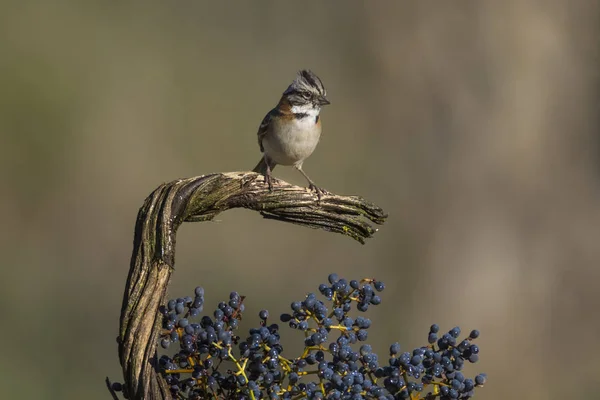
(306, 89)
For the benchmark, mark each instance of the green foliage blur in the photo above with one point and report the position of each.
(474, 124)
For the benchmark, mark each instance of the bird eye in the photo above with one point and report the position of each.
(306, 96)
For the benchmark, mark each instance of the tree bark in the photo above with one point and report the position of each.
(201, 199)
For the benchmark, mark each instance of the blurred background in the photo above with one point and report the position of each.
(473, 124)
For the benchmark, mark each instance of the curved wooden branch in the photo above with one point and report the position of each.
(201, 199)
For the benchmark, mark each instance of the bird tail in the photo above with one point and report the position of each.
(261, 167)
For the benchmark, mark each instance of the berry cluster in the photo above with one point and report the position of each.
(212, 362)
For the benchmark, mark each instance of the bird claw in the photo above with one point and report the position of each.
(319, 191)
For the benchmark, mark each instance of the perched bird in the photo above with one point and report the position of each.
(290, 132)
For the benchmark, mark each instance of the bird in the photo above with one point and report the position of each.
(290, 132)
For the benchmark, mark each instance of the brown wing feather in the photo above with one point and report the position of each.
(263, 128)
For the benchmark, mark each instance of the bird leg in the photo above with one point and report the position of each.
(268, 175)
(311, 185)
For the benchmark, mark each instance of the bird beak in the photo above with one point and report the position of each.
(322, 101)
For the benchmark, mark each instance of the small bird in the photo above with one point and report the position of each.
(290, 132)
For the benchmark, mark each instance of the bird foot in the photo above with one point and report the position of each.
(319, 191)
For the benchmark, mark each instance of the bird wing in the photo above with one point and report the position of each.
(263, 128)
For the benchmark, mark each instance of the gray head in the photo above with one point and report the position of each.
(306, 88)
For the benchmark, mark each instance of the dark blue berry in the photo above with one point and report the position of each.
(333, 278)
(480, 379)
(455, 332)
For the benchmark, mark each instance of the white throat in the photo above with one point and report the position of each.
(308, 109)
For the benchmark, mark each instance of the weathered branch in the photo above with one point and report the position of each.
(201, 199)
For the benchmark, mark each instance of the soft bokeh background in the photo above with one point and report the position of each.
(474, 124)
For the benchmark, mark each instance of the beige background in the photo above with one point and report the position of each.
(474, 124)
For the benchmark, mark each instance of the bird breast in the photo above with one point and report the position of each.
(291, 141)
